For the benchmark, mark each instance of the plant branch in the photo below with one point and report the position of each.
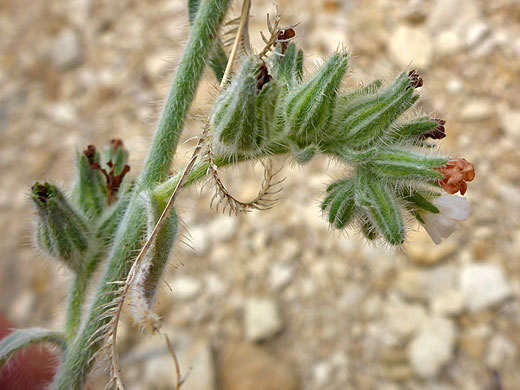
(73, 371)
(78, 293)
(196, 54)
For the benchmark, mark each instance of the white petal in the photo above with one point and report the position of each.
(430, 225)
(445, 225)
(453, 206)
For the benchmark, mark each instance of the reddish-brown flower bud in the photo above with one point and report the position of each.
(263, 76)
(284, 36)
(457, 172)
(415, 79)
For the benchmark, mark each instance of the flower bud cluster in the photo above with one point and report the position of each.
(268, 105)
(67, 227)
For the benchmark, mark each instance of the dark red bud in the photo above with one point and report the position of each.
(90, 153)
(415, 80)
(262, 77)
(116, 143)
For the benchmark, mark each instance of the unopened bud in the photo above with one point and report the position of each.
(307, 111)
(289, 66)
(234, 118)
(380, 206)
(420, 129)
(89, 191)
(367, 119)
(61, 231)
(340, 203)
(399, 163)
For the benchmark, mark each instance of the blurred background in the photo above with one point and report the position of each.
(276, 300)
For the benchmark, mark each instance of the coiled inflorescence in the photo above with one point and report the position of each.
(395, 171)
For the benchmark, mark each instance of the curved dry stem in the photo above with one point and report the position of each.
(222, 197)
(244, 19)
(274, 31)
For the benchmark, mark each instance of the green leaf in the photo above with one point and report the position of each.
(117, 155)
(368, 229)
(22, 338)
(417, 199)
(161, 249)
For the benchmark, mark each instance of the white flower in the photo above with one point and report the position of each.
(452, 208)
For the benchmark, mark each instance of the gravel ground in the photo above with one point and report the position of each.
(275, 300)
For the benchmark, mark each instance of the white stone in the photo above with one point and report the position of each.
(62, 112)
(509, 119)
(196, 359)
(223, 227)
(403, 319)
(214, 285)
(457, 16)
(476, 33)
(454, 85)
(352, 295)
(451, 303)
(199, 240)
(483, 285)
(426, 284)
(185, 287)
(321, 373)
(500, 349)
(66, 50)
(411, 46)
(432, 347)
(447, 43)
(159, 64)
(79, 11)
(477, 110)
(262, 319)
(280, 276)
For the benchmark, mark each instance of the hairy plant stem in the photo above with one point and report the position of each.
(76, 365)
(197, 52)
(78, 293)
(163, 191)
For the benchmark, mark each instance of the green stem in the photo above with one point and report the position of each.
(73, 371)
(78, 293)
(164, 190)
(198, 50)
